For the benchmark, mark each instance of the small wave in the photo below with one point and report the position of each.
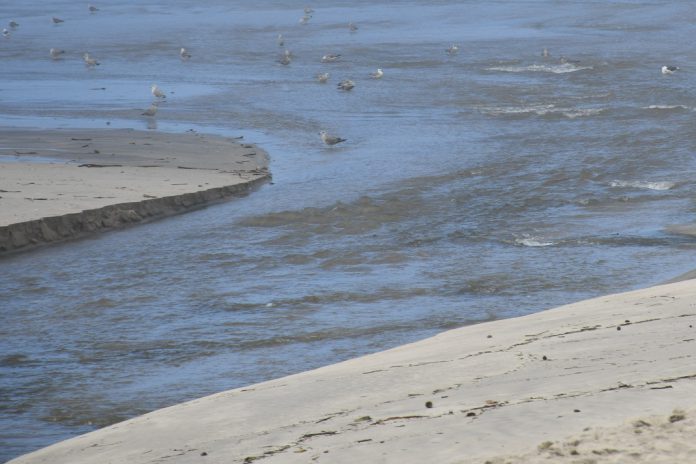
(529, 241)
(541, 110)
(582, 112)
(643, 185)
(562, 68)
(667, 107)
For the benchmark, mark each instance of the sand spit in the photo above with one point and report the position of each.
(62, 184)
(512, 387)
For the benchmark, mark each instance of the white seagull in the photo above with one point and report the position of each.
(346, 85)
(330, 139)
(280, 40)
(55, 53)
(89, 61)
(377, 74)
(545, 53)
(669, 69)
(184, 54)
(151, 111)
(323, 77)
(330, 58)
(6, 33)
(452, 49)
(305, 19)
(157, 92)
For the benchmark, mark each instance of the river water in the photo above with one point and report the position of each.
(486, 184)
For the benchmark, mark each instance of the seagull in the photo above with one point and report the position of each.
(287, 53)
(330, 58)
(57, 20)
(14, 24)
(184, 54)
(323, 77)
(308, 10)
(157, 92)
(346, 85)
(280, 40)
(151, 111)
(669, 69)
(285, 59)
(545, 53)
(330, 139)
(89, 61)
(55, 53)
(377, 74)
(6, 33)
(352, 27)
(452, 49)
(92, 8)
(305, 19)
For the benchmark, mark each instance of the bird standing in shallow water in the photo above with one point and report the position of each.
(330, 139)
(330, 58)
(377, 74)
(89, 61)
(452, 49)
(346, 85)
(55, 53)
(157, 92)
(323, 77)
(151, 111)
(184, 54)
(669, 69)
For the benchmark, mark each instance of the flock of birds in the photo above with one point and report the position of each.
(285, 59)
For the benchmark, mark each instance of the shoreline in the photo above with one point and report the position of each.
(95, 180)
(509, 390)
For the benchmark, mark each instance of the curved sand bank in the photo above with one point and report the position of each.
(519, 386)
(62, 184)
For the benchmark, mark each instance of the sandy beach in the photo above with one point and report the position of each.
(62, 184)
(603, 380)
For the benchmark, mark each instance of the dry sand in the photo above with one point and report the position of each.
(65, 173)
(565, 385)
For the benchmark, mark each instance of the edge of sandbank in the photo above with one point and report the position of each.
(28, 235)
(79, 210)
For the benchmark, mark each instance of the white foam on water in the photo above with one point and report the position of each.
(666, 107)
(530, 241)
(541, 110)
(561, 68)
(664, 185)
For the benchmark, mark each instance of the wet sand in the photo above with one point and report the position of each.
(61, 184)
(601, 380)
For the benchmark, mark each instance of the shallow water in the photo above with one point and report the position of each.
(489, 184)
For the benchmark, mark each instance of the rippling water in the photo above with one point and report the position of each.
(489, 184)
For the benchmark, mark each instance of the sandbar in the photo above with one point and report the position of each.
(62, 184)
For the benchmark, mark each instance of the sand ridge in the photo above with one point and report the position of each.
(499, 388)
(57, 174)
